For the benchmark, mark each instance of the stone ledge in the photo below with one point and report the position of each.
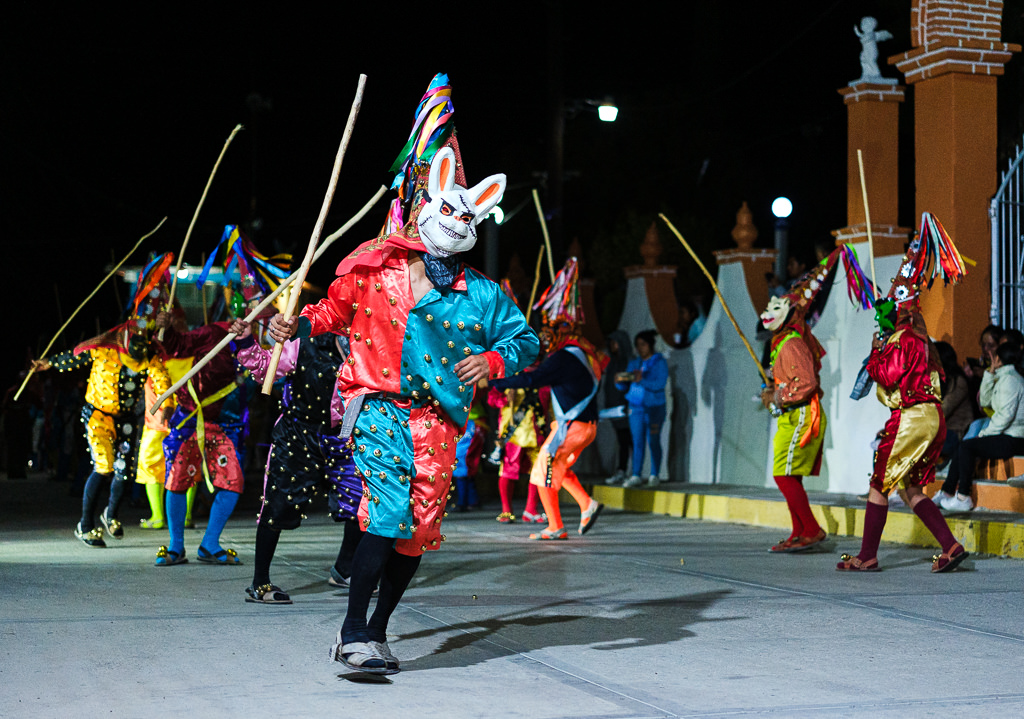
(996, 533)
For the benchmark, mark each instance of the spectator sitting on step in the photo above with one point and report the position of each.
(974, 368)
(957, 405)
(1002, 389)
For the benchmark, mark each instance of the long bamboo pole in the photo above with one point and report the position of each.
(536, 281)
(544, 229)
(195, 216)
(867, 221)
(77, 309)
(714, 286)
(293, 296)
(255, 312)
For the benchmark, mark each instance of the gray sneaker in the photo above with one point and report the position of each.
(653, 481)
(618, 478)
(633, 481)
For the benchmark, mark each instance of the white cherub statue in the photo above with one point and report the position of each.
(869, 39)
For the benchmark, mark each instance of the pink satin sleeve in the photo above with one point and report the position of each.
(256, 359)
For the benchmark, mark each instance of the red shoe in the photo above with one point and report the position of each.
(531, 518)
(783, 545)
(855, 564)
(948, 561)
(802, 544)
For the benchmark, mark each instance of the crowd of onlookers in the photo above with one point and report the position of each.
(983, 403)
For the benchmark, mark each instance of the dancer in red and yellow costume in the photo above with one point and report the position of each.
(907, 369)
(120, 362)
(572, 369)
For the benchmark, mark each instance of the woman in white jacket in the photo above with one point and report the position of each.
(1002, 389)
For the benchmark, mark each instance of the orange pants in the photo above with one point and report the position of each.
(579, 436)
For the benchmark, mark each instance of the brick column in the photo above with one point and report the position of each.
(956, 57)
(757, 263)
(872, 117)
(659, 285)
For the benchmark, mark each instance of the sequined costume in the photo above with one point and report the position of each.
(113, 404)
(908, 384)
(307, 458)
(224, 419)
(401, 369)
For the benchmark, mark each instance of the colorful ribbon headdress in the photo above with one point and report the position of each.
(811, 292)
(150, 293)
(433, 127)
(560, 303)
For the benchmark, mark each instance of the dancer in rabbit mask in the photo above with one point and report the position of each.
(423, 329)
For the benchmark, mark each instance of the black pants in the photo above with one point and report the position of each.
(961, 466)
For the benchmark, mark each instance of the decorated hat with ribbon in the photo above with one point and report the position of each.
(931, 255)
(811, 291)
(149, 294)
(258, 274)
(433, 128)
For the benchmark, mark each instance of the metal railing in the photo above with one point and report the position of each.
(1008, 246)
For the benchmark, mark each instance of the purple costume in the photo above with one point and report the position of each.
(306, 456)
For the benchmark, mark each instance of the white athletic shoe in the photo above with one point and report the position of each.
(633, 481)
(958, 504)
(653, 481)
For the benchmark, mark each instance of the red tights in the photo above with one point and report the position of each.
(804, 523)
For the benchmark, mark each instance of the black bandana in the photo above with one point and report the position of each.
(441, 271)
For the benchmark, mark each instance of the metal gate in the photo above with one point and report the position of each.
(1008, 246)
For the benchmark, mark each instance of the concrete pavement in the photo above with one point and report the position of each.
(646, 616)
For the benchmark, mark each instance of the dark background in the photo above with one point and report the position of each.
(113, 116)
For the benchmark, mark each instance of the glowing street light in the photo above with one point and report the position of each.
(607, 112)
(782, 207)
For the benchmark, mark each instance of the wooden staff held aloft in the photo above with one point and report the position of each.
(867, 220)
(544, 229)
(293, 297)
(536, 281)
(721, 299)
(266, 302)
(72, 316)
(195, 216)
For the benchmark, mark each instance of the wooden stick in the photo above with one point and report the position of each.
(266, 302)
(544, 229)
(293, 296)
(536, 281)
(867, 221)
(77, 309)
(195, 216)
(721, 299)
(117, 292)
(202, 292)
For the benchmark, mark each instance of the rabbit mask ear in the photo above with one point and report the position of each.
(447, 223)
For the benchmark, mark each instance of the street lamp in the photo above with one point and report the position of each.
(782, 208)
(607, 111)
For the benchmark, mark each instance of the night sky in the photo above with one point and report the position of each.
(113, 119)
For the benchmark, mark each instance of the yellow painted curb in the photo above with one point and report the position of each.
(1004, 539)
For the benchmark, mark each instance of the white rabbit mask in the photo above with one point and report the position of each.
(447, 224)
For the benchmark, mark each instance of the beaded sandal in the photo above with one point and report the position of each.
(948, 561)
(856, 564)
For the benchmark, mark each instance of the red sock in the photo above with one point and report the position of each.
(505, 490)
(874, 523)
(804, 523)
(933, 520)
(531, 499)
